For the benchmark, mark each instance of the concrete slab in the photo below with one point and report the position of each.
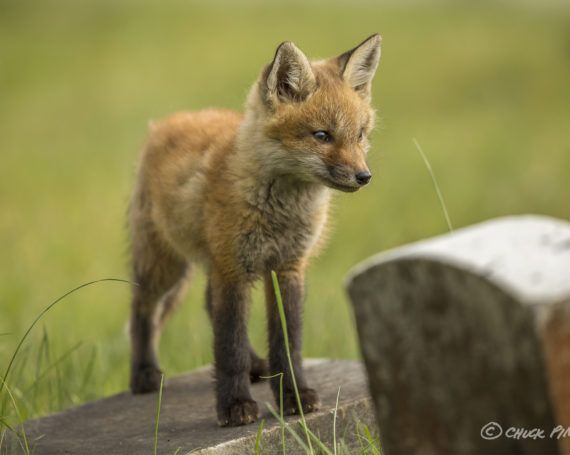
(466, 338)
(124, 423)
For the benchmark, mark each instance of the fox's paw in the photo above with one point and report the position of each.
(309, 401)
(259, 369)
(145, 379)
(241, 412)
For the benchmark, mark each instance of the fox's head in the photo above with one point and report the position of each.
(315, 117)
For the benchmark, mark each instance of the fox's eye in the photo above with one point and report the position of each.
(322, 136)
(361, 136)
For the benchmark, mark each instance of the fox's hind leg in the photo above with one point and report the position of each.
(174, 297)
(259, 368)
(160, 281)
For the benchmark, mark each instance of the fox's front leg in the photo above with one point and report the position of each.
(234, 406)
(291, 284)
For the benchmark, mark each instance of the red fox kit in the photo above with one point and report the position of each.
(245, 194)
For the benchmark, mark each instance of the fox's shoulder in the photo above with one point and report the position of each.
(194, 131)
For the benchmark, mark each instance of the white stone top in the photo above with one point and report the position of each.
(527, 255)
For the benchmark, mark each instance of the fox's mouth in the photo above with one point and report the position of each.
(343, 180)
(341, 186)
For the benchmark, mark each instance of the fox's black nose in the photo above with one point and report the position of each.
(363, 177)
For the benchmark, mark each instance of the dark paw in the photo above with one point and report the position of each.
(259, 370)
(239, 413)
(145, 379)
(309, 401)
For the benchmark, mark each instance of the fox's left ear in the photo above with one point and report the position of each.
(357, 66)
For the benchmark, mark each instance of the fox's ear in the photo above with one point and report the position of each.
(359, 65)
(289, 77)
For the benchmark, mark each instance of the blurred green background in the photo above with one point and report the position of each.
(483, 86)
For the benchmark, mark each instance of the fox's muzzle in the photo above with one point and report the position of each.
(345, 179)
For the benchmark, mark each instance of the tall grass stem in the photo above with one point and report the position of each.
(286, 337)
(434, 180)
(158, 413)
(23, 436)
(258, 439)
(334, 420)
(289, 429)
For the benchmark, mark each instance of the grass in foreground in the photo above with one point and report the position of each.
(10, 416)
(11, 419)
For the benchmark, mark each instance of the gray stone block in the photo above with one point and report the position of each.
(467, 329)
(124, 423)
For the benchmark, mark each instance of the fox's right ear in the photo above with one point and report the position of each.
(289, 78)
(357, 66)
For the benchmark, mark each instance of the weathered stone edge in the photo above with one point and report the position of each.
(271, 439)
(421, 249)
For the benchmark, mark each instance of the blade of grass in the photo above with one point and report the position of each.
(24, 438)
(285, 335)
(370, 438)
(47, 354)
(334, 420)
(42, 351)
(17, 375)
(258, 439)
(359, 436)
(344, 448)
(280, 406)
(319, 443)
(158, 413)
(59, 386)
(372, 441)
(434, 180)
(89, 369)
(45, 310)
(5, 423)
(367, 441)
(288, 428)
(2, 437)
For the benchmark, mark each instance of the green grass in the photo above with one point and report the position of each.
(483, 87)
(158, 414)
(286, 342)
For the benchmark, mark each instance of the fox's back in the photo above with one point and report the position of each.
(180, 143)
